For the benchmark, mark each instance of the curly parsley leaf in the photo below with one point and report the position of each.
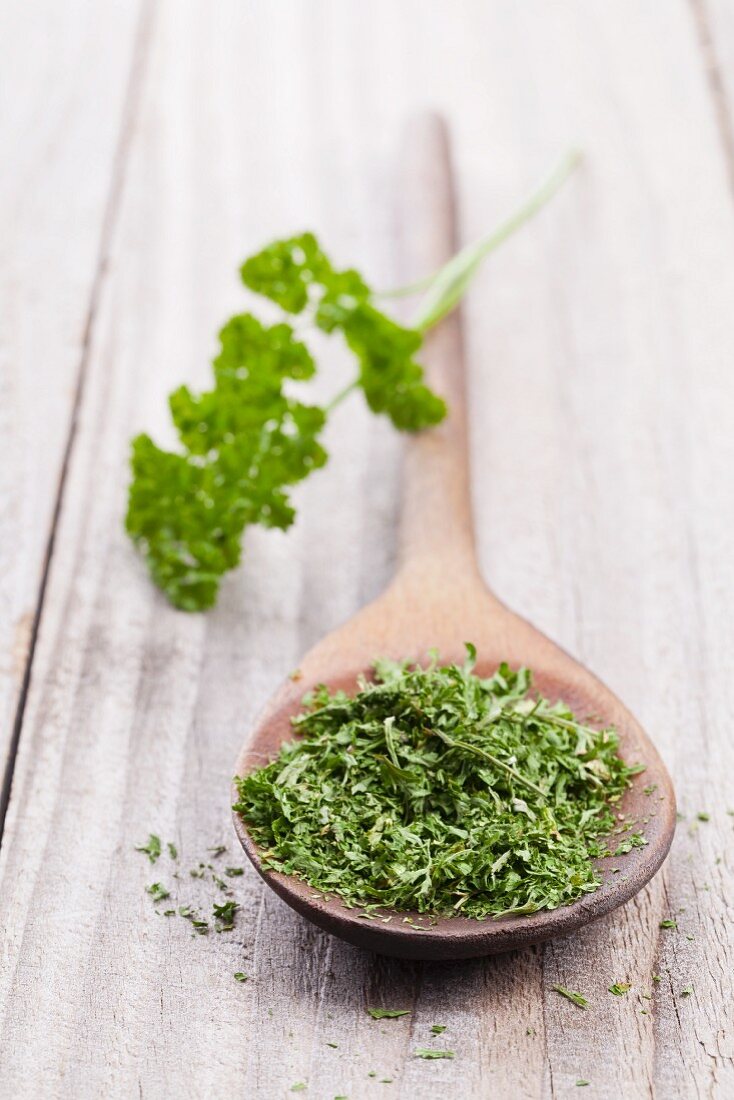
(244, 442)
(152, 847)
(296, 274)
(247, 440)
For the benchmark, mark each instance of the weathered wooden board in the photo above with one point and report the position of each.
(601, 343)
(64, 72)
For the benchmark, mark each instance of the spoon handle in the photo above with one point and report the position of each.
(436, 528)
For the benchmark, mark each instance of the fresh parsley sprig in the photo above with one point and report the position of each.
(247, 440)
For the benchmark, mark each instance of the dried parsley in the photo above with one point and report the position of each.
(152, 849)
(437, 791)
(619, 989)
(157, 891)
(571, 995)
(426, 1053)
(388, 1013)
(224, 915)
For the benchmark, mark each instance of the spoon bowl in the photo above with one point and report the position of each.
(439, 600)
(499, 635)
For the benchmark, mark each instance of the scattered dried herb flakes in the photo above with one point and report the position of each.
(669, 923)
(619, 989)
(200, 926)
(388, 1013)
(423, 1052)
(438, 1029)
(569, 994)
(234, 872)
(298, 1087)
(152, 847)
(686, 991)
(172, 850)
(224, 915)
(437, 791)
(157, 891)
(702, 816)
(240, 977)
(657, 978)
(580, 1084)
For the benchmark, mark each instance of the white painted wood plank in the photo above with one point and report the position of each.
(64, 69)
(600, 343)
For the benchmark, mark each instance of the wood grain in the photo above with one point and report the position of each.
(64, 69)
(600, 342)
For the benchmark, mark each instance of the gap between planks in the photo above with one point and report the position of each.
(130, 108)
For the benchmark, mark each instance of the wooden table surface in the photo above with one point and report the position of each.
(147, 148)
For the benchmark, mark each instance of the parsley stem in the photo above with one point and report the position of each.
(447, 285)
(493, 760)
(341, 395)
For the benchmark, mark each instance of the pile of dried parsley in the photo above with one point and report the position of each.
(437, 791)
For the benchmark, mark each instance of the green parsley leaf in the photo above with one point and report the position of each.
(295, 274)
(703, 816)
(580, 1084)
(668, 923)
(388, 1013)
(636, 840)
(157, 891)
(234, 872)
(569, 994)
(172, 850)
(243, 441)
(152, 848)
(224, 913)
(686, 991)
(428, 1054)
(247, 440)
(200, 926)
(619, 989)
(240, 977)
(298, 1087)
(438, 1029)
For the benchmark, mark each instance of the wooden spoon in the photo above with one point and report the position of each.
(439, 600)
